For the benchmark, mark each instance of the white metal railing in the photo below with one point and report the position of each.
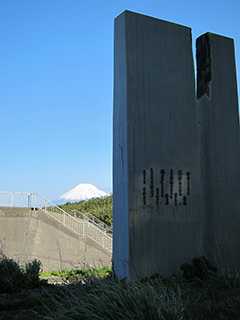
(97, 222)
(15, 199)
(84, 228)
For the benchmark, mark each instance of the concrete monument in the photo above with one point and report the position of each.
(165, 211)
(218, 119)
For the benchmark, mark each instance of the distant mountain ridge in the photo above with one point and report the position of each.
(83, 191)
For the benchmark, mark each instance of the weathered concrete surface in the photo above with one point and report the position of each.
(220, 146)
(27, 234)
(156, 224)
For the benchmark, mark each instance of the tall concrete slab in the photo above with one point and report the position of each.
(156, 222)
(219, 143)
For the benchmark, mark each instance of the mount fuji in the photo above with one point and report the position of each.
(82, 191)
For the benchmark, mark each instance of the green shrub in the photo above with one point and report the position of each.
(11, 275)
(14, 277)
(31, 274)
(200, 268)
(101, 208)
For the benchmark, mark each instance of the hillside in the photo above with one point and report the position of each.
(100, 208)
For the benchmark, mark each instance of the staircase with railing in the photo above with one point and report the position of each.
(84, 225)
(94, 220)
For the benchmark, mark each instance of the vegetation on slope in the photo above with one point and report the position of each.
(99, 207)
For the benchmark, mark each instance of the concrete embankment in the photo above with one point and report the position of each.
(28, 234)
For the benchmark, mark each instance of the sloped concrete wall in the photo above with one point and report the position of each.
(26, 235)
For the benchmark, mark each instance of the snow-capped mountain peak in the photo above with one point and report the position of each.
(82, 191)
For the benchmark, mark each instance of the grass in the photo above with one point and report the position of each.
(200, 293)
(79, 273)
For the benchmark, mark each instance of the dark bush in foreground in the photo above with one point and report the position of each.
(14, 277)
(199, 268)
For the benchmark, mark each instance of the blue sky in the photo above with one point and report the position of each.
(56, 85)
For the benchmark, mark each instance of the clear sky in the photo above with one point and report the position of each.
(56, 84)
